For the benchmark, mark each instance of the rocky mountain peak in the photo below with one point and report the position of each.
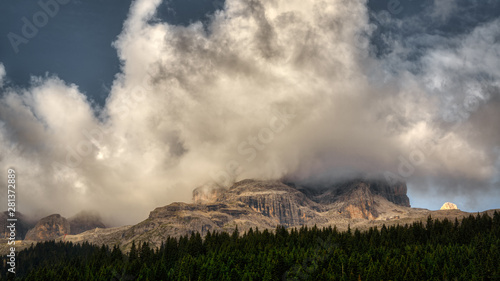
(49, 228)
(292, 204)
(332, 193)
(358, 199)
(55, 226)
(449, 206)
(274, 199)
(85, 220)
(207, 193)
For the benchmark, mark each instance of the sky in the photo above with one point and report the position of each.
(106, 105)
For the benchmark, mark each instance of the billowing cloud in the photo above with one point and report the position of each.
(460, 74)
(269, 89)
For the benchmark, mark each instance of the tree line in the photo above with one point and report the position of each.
(433, 250)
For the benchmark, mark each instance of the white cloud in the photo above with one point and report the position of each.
(190, 104)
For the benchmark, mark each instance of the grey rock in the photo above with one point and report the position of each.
(84, 221)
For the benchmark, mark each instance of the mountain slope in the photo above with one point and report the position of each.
(261, 204)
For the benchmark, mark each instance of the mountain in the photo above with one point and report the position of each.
(296, 205)
(84, 221)
(23, 224)
(55, 226)
(264, 205)
(251, 204)
(358, 199)
(49, 228)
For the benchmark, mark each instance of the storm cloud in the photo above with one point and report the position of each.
(267, 89)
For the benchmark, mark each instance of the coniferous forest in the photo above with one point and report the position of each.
(432, 250)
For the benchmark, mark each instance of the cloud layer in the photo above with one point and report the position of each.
(269, 89)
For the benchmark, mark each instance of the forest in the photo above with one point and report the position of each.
(431, 250)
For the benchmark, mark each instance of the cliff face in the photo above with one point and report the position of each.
(297, 205)
(358, 202)
(293, 205)
(337, 192)
(49, 228)
(266, 204)
(284, 204)
(358, 199)
(396, 194)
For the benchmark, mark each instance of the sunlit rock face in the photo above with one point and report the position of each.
(273, 199)
(49, 228)
(56, 226)
(291, 205)
(449, 206)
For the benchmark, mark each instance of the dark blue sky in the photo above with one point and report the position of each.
(76, 43)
